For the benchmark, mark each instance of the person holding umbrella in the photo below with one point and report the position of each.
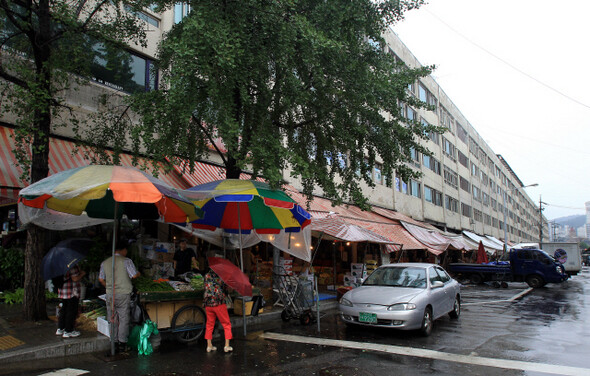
(60, 266)
(119, 306)
(215, 307)
(69, 293)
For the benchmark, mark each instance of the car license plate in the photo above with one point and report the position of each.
(370, 318)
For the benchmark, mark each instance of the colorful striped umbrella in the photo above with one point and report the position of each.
(94, 190)
(240, 206)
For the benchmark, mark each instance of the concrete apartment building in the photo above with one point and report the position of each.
(463, 184)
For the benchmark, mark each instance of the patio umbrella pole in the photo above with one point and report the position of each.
(242, 267)
(112, 321)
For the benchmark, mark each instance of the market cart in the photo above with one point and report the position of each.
(178, 312)
(296, 296)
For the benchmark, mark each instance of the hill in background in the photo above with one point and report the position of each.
(574, 221)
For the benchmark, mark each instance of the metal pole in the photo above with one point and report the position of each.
(317, 300)
(112, 321)
(540, 221)
(505, 225)
(242, 267)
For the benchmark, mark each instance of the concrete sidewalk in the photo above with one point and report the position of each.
(22, 340)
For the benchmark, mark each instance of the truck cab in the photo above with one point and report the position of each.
(536, 267)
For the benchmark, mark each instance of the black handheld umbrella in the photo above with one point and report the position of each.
(64, 256)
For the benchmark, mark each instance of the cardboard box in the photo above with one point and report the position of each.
(102, 325)
(238, 304)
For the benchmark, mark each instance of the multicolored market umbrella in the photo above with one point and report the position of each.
(109, 192)
(240, 206)
(94, 190)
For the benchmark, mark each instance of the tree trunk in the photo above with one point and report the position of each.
(34, 298)
(34, 307)
(232, 171)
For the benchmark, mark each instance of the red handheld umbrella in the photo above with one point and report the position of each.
(231, 275)
(482, 256)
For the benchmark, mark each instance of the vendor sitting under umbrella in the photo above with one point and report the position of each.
(185, 259)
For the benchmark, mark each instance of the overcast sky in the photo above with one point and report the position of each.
(518, 71)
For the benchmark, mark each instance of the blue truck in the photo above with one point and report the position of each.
(533, 266)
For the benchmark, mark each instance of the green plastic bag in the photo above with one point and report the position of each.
(133, 341)
(145, 347)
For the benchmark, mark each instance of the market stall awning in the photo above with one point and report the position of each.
(428, 237)
(435, 239)
(373, 221)
(63, 155)
(474, 240)
(336, 227)
(496, 241)
(397, 216)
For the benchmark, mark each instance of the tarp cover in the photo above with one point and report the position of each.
(338, 228)
(474, 239)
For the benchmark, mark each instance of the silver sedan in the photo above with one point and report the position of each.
(403, 296)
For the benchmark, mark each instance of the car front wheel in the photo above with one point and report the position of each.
(456, 312)
(427, 322)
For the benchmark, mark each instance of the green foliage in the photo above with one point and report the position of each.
(143, 284)
(48, 51)
(16, 296)
(12, 267)
(97, 254)
(50, 295)
(300, 86)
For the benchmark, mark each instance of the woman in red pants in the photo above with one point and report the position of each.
(214, 302)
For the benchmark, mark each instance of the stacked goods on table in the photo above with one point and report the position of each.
(357, 274)
(370, 266)
(326, 275)
(143, 284)
(286, 265)
(87, 320)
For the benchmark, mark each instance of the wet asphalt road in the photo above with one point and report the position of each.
(545, 331)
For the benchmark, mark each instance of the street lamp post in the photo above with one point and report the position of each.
(506, 211)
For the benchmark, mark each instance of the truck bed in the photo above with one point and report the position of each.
(479, 268)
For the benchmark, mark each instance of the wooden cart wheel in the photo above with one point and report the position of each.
(188, 323)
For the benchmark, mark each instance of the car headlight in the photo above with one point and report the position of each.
(559, 269)
(346, 302)
(402, 307)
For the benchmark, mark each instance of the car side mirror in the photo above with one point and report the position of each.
(437, 284)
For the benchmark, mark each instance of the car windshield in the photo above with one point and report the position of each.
(397, 277)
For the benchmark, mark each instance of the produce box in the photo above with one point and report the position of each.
(238, 307)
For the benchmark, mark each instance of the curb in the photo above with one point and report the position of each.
(99, 342)
(55, 350)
